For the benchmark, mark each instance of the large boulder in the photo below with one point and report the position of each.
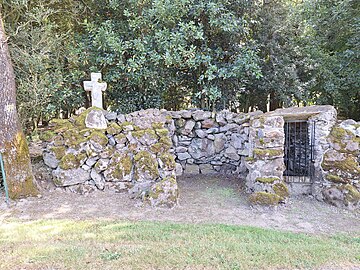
(63, 178)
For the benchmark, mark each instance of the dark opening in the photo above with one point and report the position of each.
(298, 150)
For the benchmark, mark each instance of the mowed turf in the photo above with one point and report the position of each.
(69, 244)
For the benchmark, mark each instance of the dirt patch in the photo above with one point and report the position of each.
(203, 199)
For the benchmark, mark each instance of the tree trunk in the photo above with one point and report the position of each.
(13, 145)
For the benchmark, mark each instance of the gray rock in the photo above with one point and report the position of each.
(201, 148)
(102, 164)
(201, 115)
(86, 167)
(212, 130)
(200, 133)
(95, 119)
(219, 142)
(121, 118)
(63, 178)
(183, 156)
(186, 114)
(180, 149)
(231, 153)
(111, 116)
(230, 127)
(206, 169)
(112, 141)
(220, 119)
(192, 169)
(236, 141)
(91, 161)
(178, 169)
(140, 190)
(50, 160)
(98, 179)
(211, 137)
(175, 140)
(190, 124)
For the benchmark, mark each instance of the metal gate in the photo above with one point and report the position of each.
(299, 151)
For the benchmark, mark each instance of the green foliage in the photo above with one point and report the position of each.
(151, 51)
(214, 54)
(40, 43)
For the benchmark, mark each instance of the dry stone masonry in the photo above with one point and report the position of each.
(143, 152)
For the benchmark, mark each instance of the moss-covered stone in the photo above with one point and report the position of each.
(281, 189)
(127, 126)
(168, 118)
(166, 141)
(85, 132)
(119, 168)
(264, 198)
(141, 133)
(348, 164)
(340, 133)
(47, 135)
(59, 151)
(162, 132)
(80, 119)
(113, 129)
(99, 138)
(61, 125)
(342, 138)
(352, 195)
(146, 166)
(73, 138)
(157, 125)
(168, 160)
(267, 180)
(162, 146)
(336, 179)
(268, 153)
(164, 192)
(58, 140)
(120, 138)
(71, 161)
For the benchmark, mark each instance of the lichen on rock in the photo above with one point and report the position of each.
(164, 193)
(268, 180)
(146, 166)
(72, 161)
(168, 161)
(264, 198)
(281, 190)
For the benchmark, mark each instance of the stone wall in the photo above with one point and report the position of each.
(143, 152)
(265, 162)
(122, 153)
(341, 165)
(210, 143)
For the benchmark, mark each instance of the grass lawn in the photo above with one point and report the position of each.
(69, 244)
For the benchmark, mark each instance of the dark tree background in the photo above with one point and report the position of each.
(240, 55)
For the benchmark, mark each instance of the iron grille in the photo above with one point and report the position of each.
(299, 151)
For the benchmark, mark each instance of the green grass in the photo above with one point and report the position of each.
(66, 244)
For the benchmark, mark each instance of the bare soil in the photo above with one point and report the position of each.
(203, 199)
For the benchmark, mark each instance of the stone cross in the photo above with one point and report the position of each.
(96, 89)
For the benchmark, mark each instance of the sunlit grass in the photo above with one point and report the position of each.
(66, 244)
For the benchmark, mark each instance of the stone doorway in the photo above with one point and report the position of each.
(299, 154)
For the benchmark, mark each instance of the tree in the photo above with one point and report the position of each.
(13, 145)
(156, 52)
